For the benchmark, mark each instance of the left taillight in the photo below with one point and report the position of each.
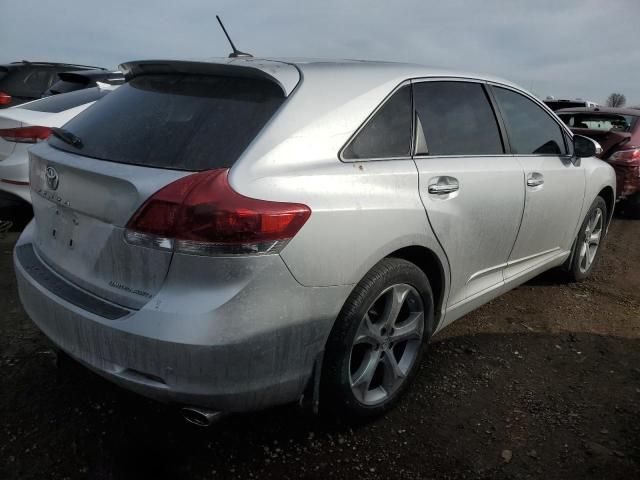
(629, 156)
(5, 98)
(201, 214)
(32, 134)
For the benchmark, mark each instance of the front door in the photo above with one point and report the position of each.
(472, 191)
(554, 185)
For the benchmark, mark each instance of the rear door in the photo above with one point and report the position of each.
(554, 185)
(143, 136)
(472, 191)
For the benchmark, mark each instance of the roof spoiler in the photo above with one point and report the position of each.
(242, 70)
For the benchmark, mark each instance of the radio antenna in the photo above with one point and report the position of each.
(236, 53)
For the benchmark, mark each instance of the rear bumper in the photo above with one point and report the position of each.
(14, 174)
(254, 351)
(627, 180)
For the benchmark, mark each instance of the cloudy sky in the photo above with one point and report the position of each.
(568, 48)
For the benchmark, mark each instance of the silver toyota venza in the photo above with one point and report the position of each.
(240, 233)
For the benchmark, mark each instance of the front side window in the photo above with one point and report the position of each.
(531, 130)
(387, 134)
(457, 119)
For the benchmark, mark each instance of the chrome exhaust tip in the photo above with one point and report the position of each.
(201, 417)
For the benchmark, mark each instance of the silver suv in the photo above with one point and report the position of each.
(236, 234)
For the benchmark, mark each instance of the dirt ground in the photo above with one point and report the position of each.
(544, 382)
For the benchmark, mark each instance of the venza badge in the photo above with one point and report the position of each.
(51, 175)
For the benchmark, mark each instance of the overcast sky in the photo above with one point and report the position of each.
(567, 48)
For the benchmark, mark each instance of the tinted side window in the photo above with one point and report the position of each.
(39, 80)
(457, 119)
(531, 130)
(388, 133)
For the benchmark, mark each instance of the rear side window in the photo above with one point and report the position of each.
(531, 130)
(457, 119)
(388, 132)
(39, 80)
(183, 122)
(60, 103)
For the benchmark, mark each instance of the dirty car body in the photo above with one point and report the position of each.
(120, 269)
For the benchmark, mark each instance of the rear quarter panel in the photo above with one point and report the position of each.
(599, 175)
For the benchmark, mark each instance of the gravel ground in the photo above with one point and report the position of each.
(543, 382)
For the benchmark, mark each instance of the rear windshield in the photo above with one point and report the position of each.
(183, 122)
(66, 101)
(605, 122)
(557, 105)
(63, 86)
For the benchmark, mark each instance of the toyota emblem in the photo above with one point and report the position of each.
(52, 178)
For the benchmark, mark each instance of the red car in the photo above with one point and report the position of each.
(617, 130)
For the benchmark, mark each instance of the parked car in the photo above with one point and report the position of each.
(556, 104)
(72, 81)
(231, 236)
(24, 81)
(25, 125)
(618, 131)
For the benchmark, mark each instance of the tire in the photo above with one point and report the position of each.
(632, 207)
(365, 378)
(585, 253)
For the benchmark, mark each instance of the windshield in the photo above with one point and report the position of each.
(605, 122)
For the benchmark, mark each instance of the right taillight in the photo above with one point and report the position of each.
(201, 214)
(629, 157)
(5, 98)
(31, 134)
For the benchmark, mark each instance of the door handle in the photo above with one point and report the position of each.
(535, 179)
(443, 185)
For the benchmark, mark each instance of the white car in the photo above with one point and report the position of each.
(29, 123)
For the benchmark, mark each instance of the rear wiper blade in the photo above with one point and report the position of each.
(67, 137)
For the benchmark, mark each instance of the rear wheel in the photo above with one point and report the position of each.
(376, 344)
(632, 206)
(587, 245)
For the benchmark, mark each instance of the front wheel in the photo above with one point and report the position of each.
(587, 244)
(376, 344)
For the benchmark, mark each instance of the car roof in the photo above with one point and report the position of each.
(288, 71)
(619, 111)
(385, 69)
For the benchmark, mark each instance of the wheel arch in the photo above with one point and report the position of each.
(427, 261)
(609, 197)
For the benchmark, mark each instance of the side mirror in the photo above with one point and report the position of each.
(585, 147)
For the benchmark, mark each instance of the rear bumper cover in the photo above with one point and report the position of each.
(627, 180)
(255, 351)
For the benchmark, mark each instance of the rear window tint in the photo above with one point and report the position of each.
(66, 101)
(13, 82)
(183, 122)
(388, 133)
(62, 86)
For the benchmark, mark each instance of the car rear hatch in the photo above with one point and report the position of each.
(165, 123)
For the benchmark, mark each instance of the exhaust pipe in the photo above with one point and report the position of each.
(201, 417)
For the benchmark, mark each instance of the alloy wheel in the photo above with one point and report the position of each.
(591, 240)
(386, 344)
